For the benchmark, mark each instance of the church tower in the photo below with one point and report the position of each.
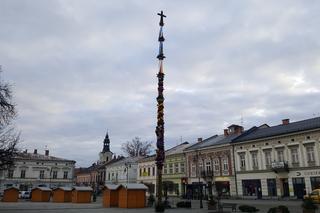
(106, 154)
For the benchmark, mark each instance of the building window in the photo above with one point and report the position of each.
(200, 167)
(10, 174)
(148, 171)
(170, 168)
(225, 165)
(182, 169)
(153, 171)
(254, 156)
(294, 156)
(310, 153)
(54, 174)
(165, 169)
(193, 170)
(41, 176)
(280, 155)
(216, 165)
(176, 168)
(268, 158)
(65, 175)
(109, 174)
(242, 161)
(144, 172)
(208, 165)
(140, 172)
(23, 174)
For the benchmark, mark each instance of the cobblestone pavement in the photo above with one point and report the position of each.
(30, 207)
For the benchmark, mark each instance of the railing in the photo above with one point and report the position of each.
(207, 173)
(280, 166)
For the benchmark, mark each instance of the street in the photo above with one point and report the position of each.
(30, 207)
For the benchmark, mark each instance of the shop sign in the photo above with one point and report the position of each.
(308, 173)
(312, 173)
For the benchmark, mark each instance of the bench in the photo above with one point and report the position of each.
(233, 206)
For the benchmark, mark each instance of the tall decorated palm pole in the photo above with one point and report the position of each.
(160, 119)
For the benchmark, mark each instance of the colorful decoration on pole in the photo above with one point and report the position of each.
(160, 118)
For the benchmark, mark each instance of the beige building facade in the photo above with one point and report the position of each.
(278, 161)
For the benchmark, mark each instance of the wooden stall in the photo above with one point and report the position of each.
(81, 194)
(62, 194)
(11, 195)
(110, 195)
(40, 194)
(132, 195)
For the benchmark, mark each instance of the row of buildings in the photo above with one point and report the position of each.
(263, 161)
(33, 169)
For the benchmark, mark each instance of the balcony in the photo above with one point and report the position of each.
(207, 174)
(280, 166)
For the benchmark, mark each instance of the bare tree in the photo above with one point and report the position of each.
(136, 147)
(8, 136)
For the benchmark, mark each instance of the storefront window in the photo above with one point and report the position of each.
(251, 187)
(272, 187)
(298, 187)
(223, 187)
(315, 182)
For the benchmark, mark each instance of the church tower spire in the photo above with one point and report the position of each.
(106, 143)
(105, 155)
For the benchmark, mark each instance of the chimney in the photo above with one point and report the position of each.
(47, 152)
(239, 130)
(26, 151)
(285, 121)
(199, 140)
(225, 132)
(35, 151)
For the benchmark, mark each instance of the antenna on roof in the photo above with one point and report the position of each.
(241, 120)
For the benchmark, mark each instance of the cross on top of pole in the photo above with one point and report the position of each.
(161, 18)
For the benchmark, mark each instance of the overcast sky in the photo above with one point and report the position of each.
(79, 68)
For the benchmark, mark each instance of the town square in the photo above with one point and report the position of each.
(164, 106)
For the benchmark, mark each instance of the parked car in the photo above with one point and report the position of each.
(314, 195)
(25, 195)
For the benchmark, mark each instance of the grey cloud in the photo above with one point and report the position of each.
(80, 68)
